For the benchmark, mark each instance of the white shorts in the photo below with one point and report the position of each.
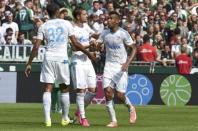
(115, 78)
(83, 76)
(52, 71)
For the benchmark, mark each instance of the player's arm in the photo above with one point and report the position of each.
(133, 51)
(33, 54)
(80, 47)
(34, 51)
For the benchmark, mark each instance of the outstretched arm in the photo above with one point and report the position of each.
(80, 47)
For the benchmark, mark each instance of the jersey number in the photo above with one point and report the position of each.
(56, 34)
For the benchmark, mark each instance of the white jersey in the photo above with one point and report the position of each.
(115, 45)
(14, 27)
(56, 32)
(82, 34)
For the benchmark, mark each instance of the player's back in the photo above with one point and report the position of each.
(56, 33)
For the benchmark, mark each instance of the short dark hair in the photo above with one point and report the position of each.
(77, 11)
(146, 38)
(52, 9)
(115, 13)
(96, 2)
(9, 29)
(25, 2)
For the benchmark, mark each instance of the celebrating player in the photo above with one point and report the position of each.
(116, 65)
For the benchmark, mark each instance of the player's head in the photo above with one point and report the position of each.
(52, 9)
(114, 19)
(80, 14)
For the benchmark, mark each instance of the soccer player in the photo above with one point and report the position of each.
(83, 73)
(116, 64)
(55, 65)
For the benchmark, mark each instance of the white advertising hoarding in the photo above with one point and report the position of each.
(8, 87)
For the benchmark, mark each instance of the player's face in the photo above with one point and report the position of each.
(113, 21)
(83, 16)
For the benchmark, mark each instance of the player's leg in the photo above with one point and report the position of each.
(47, 78)
(89, 95)
(91, 81)
(109, 94)
(59, 108)
(80, 84)
(80, 113)
(54, 99)
(47, 103)
(65, 103)
(63, 79)
(120, 92)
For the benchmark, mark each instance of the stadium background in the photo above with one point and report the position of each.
(16, 88)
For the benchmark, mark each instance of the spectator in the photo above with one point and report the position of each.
(63, 13)
(109, 6)
(3, 8)
(183, 62)
(147, 52)
(195, 57)
(184, 43)
(8, 40)
(22, 41)
(25, 20)
(166, 57)
(10, 24)
(192, 34)
(95, 9)
(98, 25)
(182, 25)
(85, 4)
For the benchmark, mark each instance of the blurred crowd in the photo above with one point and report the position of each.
(159, 28)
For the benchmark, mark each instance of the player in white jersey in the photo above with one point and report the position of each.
(116, 65)
(55, 67)
(82, 71)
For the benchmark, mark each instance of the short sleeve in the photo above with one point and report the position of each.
(127, 38)
(70, 28)
(89, 29)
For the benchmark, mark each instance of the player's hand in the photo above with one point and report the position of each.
(28, 69)
(92, 56)
(124, 67)
(92, 46)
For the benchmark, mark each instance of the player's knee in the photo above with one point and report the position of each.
(92, 90)
(108, 94)
(48, 87)
(64, 88)
(121, 96)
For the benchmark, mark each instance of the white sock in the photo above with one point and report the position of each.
(81, 104)
(47, 105)
(88, 98)
(65, 104)
(128, 104)
(111, 110)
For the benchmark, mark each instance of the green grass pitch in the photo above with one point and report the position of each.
(29, 117)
